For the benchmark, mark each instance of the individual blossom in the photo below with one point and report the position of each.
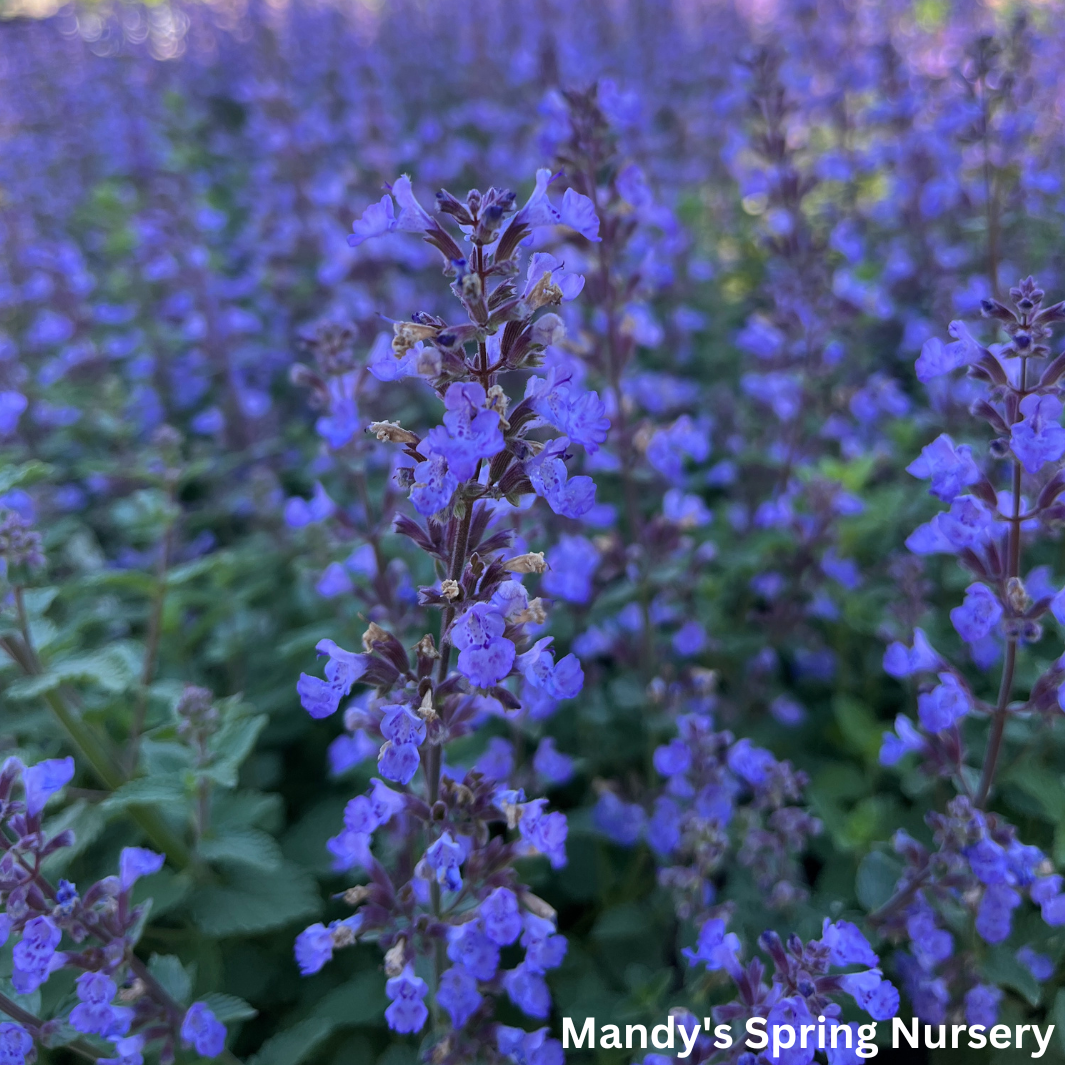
(95, 1015)
(1039, 437)
(501, 916)
(43, 780)
(444, 858)
(470, 431)
(320, 698)
(485, 655)
(203, 1031)
(944, 705)
(433, 486)
(458, 994)
(978, 614)
(949, 467)
(571, 569)
(569, 497)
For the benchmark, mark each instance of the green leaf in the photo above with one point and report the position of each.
(169, 971)
(115, 668)
(148, 791)
(1057, 1013)
(251, 902)
(877, 876)
(1002, 967)
(229, 1008)
(26, 473)
(248, 846)
(86, 821)
(295, 1044)
(231, 745)
(359, 1001)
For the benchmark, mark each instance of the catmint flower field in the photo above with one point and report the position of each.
(530, 511)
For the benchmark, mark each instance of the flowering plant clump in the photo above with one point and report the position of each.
(626, 592)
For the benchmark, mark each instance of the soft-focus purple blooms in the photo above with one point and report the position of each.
(937, 358)
(715, 946)
(571, 568)
(1039, 965)
(501, 916)
(944, 705)
(618, 820)
(995, 913)
(981, 1005)
(529, 1048)
(470, 947)
(552, 765)
(847, 945)
(901, 661)
(300, 512)
(377, 220)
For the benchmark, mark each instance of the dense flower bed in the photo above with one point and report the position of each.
(521, 510)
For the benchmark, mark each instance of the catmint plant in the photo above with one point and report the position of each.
(1000, 502)
(437, 846)
(53, 926)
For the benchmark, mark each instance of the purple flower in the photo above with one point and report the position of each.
(314, 947)
(434, 485)
(468, 946)
(668, 447)
(618, 820)
(944, 705)
(544, 947)
(847, 945)
(470, 431)
(413, 218)
(561, 681)
(1039, 438)
(546, 271)
(581, 416)
(978, 615)
(877, 996)
(752, 764)
(529, 1048)
(12, 406)
(398, 761)
(987, 859)
(444, 857)
(501, 916)
(44, 779)
(16, 1043)
(684, 510)
(569, 497)
(1039, 965)
(334, 581)
(937, 358)
(202, 1029)
(341, 424)
(553, 766)
(95, 1015)
(967, 524)
(485, 655)
(664, 826)
(377, 220)
(527, 989)
(545, 833)
(995, 913)
(35, 955)
(902, 661)
(346, 752)
(931, 944)
(689, 639)
(458, 994)
(320, 698)
(300, 512)
(981, 1005)
(128, 1050)
(673, 758)
(497, 762)
(578, 212)
(538, 210)
(791, 1012)
(901, 742)
(135, 862)
(715, 948)
(571, 565)
(407, 1012)
(781, 392)
(950, 468)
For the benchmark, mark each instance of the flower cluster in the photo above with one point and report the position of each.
(460, 901)
(54, 926)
